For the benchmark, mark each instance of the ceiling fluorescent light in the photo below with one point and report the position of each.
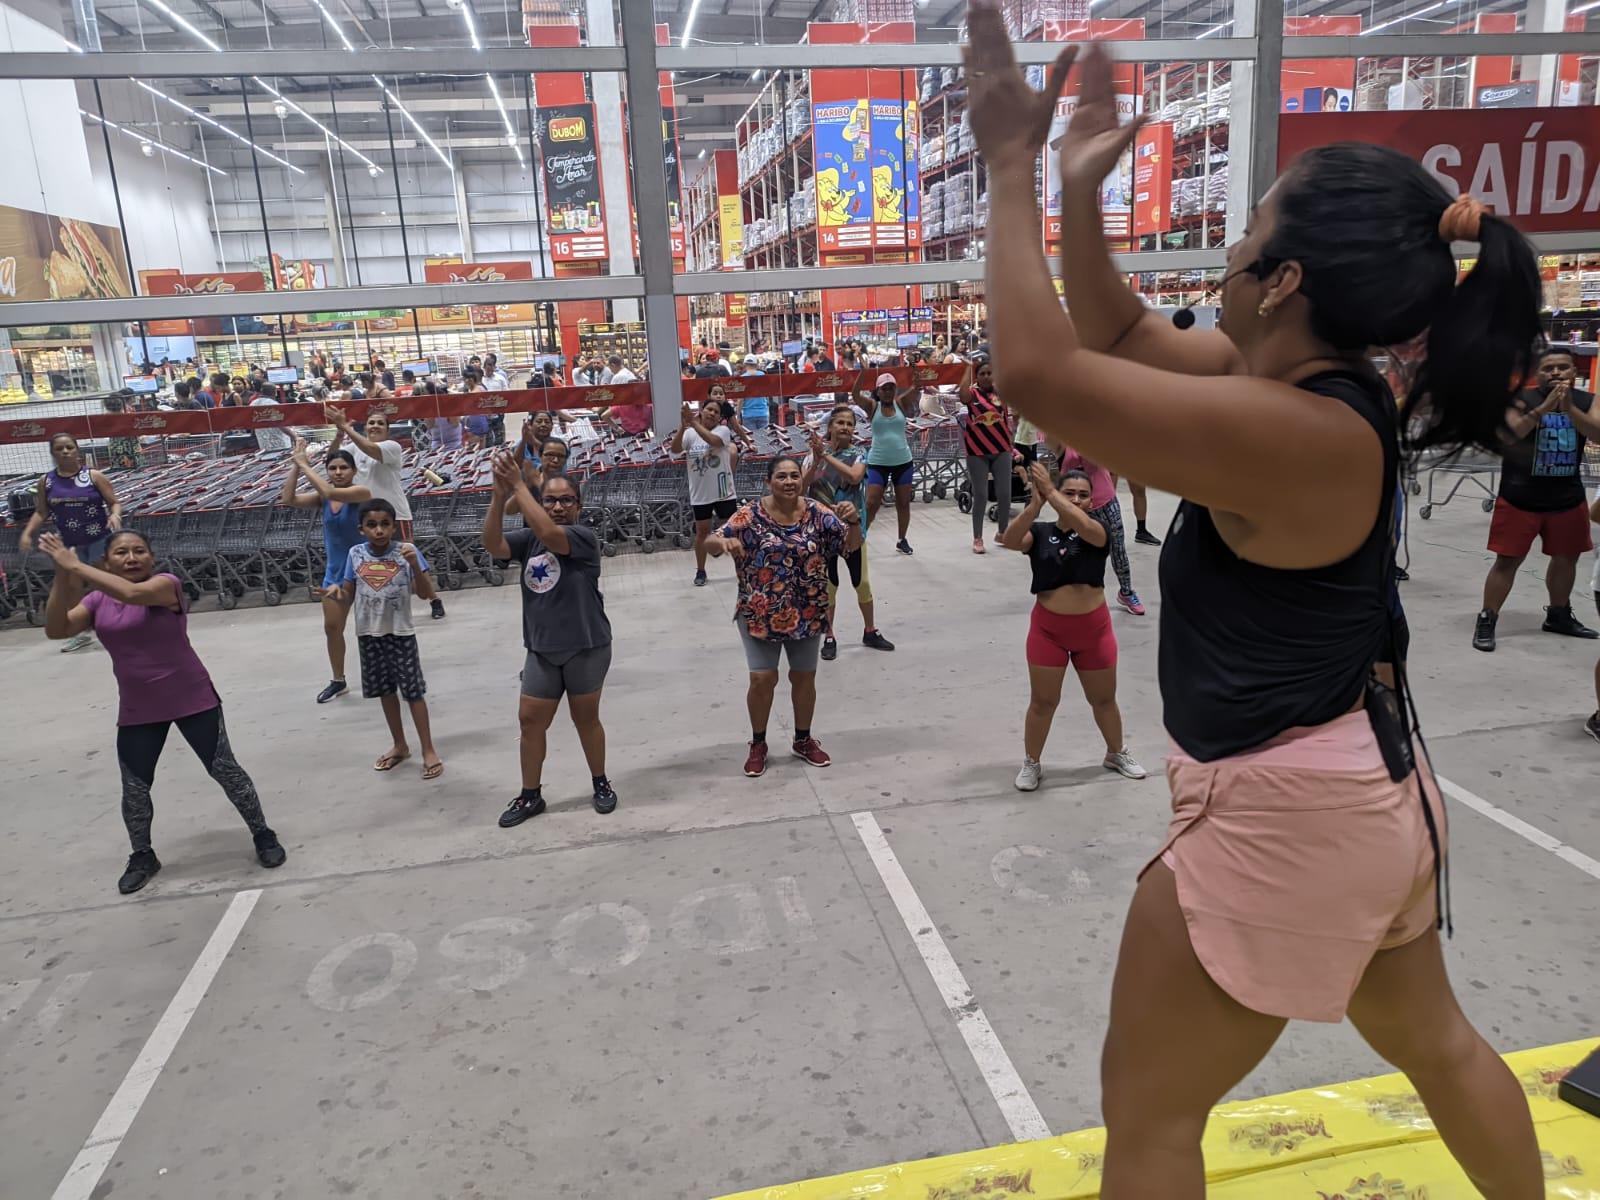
(277, 95)
(150, 143)
(511, 130)
(472, 28)
(1400, 20)
(415, 124)
(182, 22)
(688, 26)
(200, 116)
(1212, 30)
(333, 24)
(1583, 8)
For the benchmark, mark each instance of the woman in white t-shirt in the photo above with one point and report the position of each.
(379, 469)
(706, 441)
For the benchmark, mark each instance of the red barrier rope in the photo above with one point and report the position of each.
(458, 404)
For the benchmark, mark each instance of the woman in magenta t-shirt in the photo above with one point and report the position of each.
(143, 622)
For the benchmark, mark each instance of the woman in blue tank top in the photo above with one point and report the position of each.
(340, 500)
(84, 507)
(889, 456)
(1305, 844)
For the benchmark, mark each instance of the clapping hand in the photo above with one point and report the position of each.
(506, 475)
(299, 451)
(1009, 119)
(336, 417)
(62, 555)
(1094, 139)
(1039, 476)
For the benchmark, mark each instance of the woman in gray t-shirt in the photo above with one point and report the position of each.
(564, 625)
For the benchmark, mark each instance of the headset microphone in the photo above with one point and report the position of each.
(1184, 317)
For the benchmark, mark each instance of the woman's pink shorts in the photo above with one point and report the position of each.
(1296, 862)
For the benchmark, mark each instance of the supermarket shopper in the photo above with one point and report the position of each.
(889, 456)
(380, 464)
(1071, 624)
(143, 622)
(340, 499)
(565, 630)
(379, 576)
(1107, 510)
(781, 544)
(1307, 847)
(1541, 494)
(986, 434)
(1141, 515)
(835, 475)
(84, 506)
(705, 440)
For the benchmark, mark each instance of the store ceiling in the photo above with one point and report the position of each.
(461, 112)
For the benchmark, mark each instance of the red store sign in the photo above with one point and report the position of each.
(1538, 166)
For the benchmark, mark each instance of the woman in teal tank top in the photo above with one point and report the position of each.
(889, 457)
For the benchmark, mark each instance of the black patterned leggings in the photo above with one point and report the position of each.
(1110, 515)
(139, 749)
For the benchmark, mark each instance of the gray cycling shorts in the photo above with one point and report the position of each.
(761, 655)
(574, 673)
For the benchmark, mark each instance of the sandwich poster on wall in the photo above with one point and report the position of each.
(43, 257)
(573, 204)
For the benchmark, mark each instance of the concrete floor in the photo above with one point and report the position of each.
(711, 989)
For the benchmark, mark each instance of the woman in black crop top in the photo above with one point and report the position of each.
(1306, 870)
(1070, 621)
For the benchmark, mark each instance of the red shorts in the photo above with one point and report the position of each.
(1085, 639)
(1563, 534)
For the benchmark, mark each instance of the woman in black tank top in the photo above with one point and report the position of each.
(1302, 846)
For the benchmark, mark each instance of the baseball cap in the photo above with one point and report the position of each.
(884, 380)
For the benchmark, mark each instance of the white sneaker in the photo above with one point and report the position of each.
(1028, 778)
(77, 642)
(1125, 764)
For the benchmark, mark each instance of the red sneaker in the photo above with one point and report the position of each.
(811, 750)
(755, 766)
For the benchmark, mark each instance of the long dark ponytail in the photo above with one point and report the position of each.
(1364, 223)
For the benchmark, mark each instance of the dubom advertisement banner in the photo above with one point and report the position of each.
(476, 272)
(1538, 166)
(573, 203)
(213, 283)
(59, 258)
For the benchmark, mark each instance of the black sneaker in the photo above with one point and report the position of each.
(1145, 538)
(520, 810)
(1592, 725)
(335, 689)
(1483, 634)
(142, 865)
(605, 797)
(830, 648)
(1562, 620)
(437, 607)
(699, 579)
(269, 851)
(1401, 575)
(876, 641)
(904, 547)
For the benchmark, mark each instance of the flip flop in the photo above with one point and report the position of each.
(389, 762)
(433, 771)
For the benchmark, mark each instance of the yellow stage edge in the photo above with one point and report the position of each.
(1366, 1140)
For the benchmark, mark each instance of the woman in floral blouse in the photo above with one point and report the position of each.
(782, 544)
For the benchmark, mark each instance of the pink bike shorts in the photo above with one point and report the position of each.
(1298, 861)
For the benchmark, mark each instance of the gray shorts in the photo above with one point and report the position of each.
(572, 672)
(762, 655)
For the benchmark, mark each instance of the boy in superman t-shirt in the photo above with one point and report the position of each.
(380, 577)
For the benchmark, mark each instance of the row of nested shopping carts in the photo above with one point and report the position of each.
(217, 524)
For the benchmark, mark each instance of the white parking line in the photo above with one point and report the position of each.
(85, 1171)
(1520, 827)
(1016, 1105)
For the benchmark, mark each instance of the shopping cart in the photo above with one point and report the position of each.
(941, 457)
(1467, 467)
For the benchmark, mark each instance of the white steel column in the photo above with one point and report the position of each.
(607, 89)
(1544, 16)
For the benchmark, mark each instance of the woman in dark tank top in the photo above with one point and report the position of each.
(1298, 875)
